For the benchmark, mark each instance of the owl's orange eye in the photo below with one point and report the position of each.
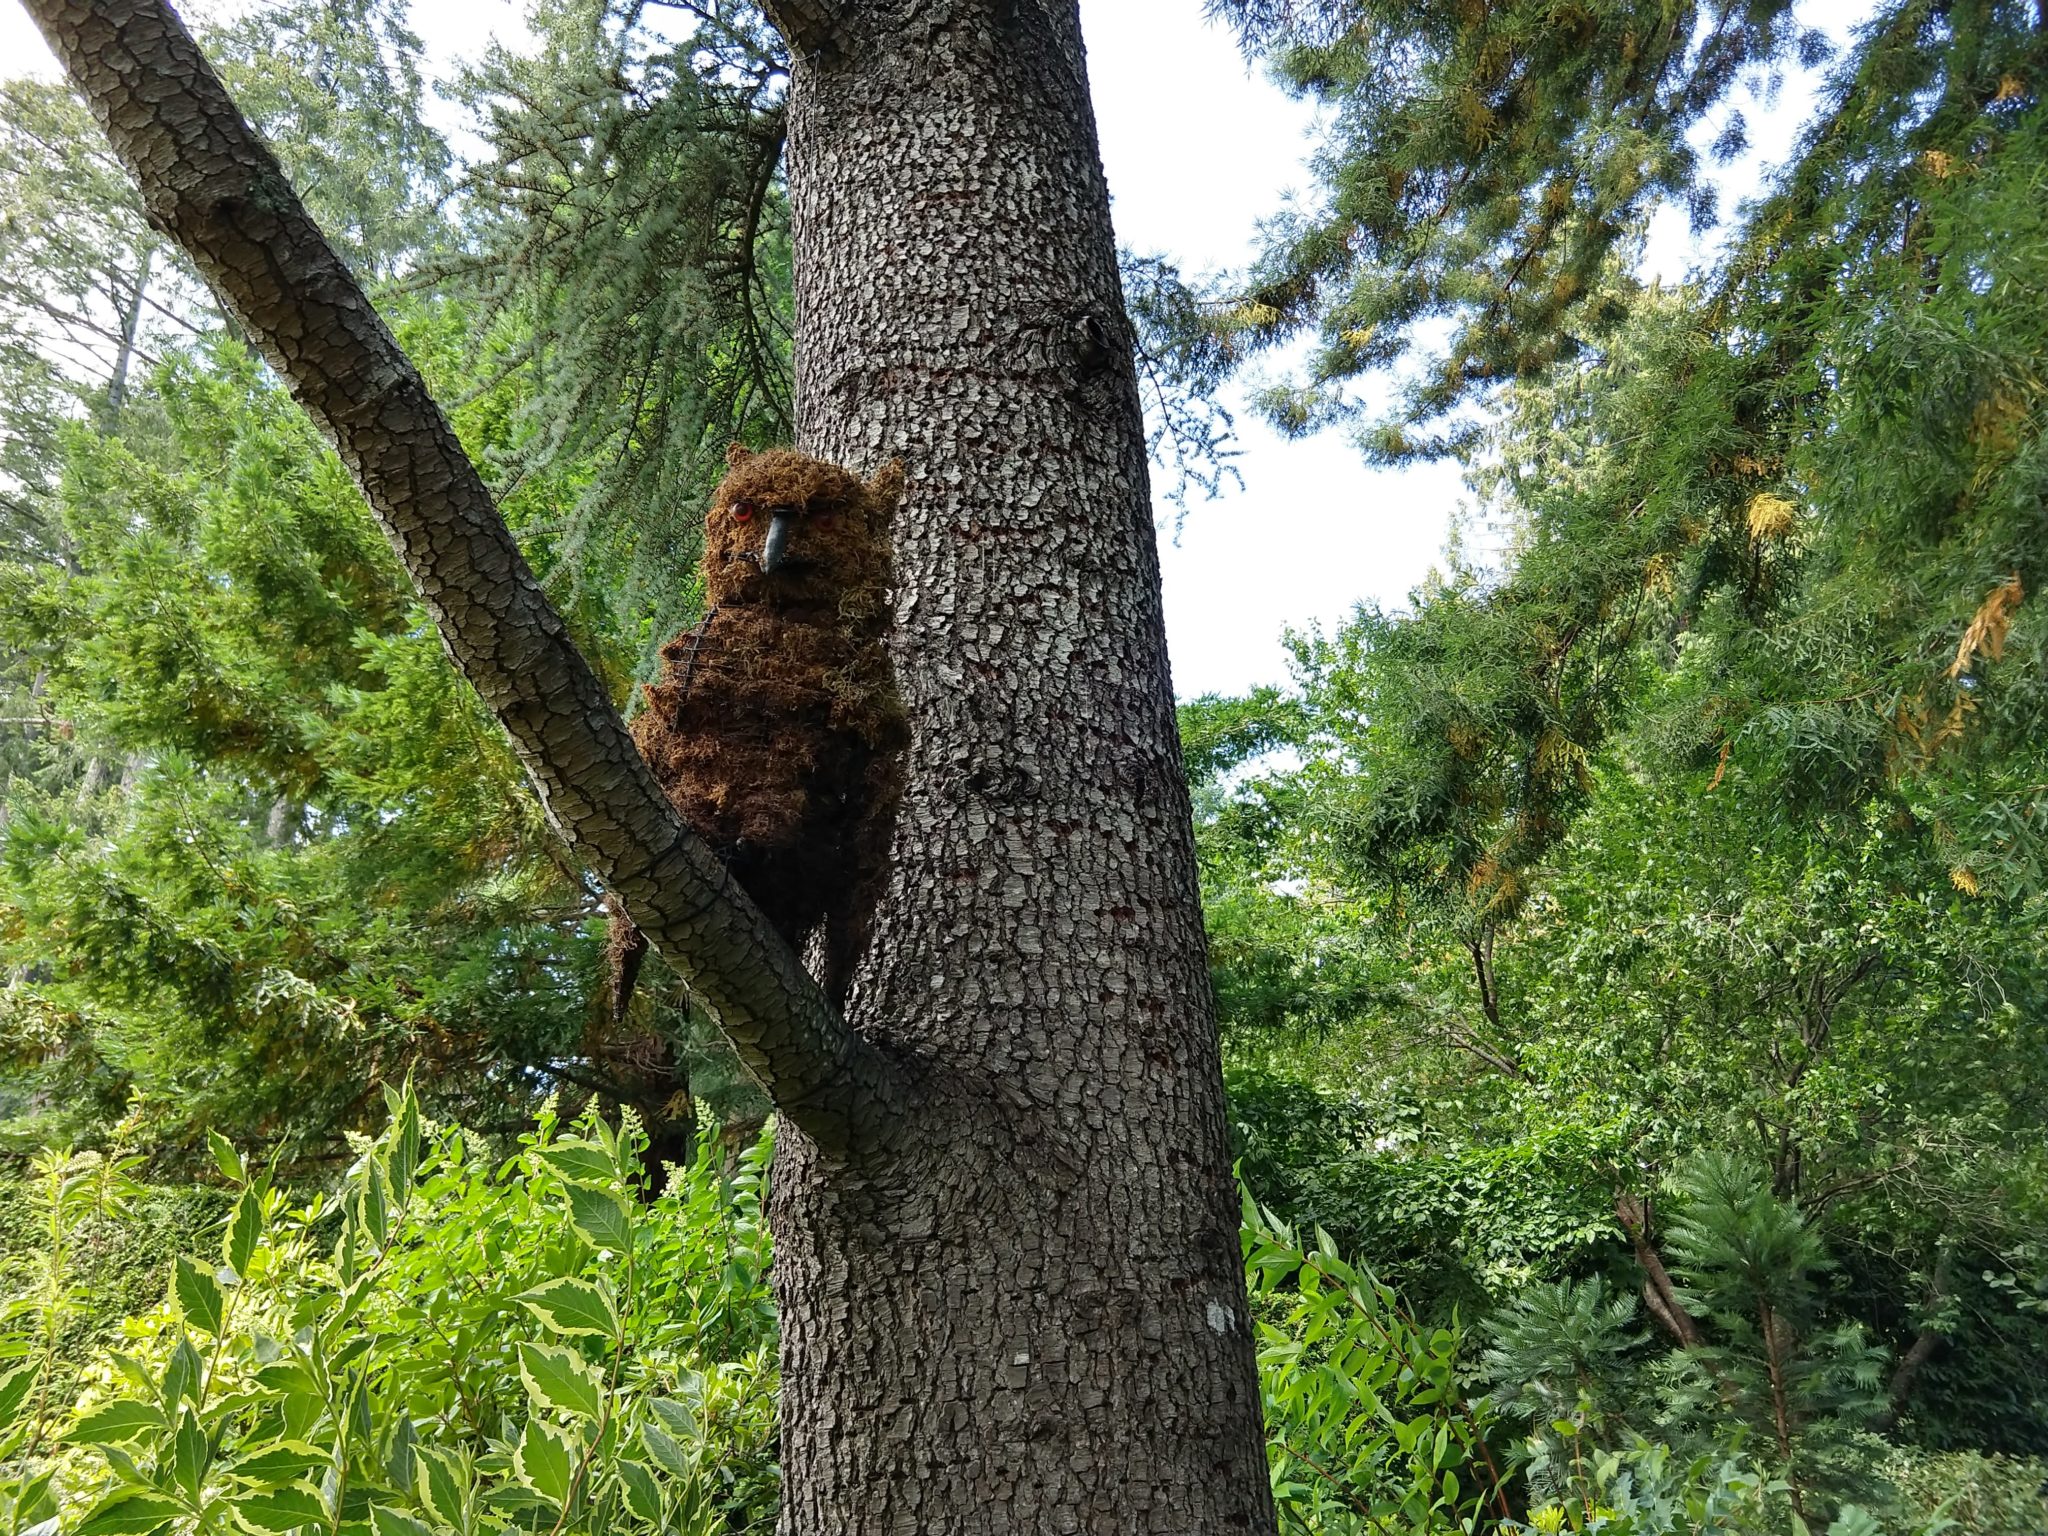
(743, 511)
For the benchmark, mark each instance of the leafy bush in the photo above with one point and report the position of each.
(447, 1347)
(1367, 1428)
(1965, 1491)
(114, 1243)
(452, 1347)
(1449, 1223)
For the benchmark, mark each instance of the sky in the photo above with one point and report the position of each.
(1198, 148)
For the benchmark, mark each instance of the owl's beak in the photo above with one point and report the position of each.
(780, 521)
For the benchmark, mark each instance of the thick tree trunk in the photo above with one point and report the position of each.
(1006, 1231)
(1027, 1312)
(1660, 1296)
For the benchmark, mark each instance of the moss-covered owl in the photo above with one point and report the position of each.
(775, 725)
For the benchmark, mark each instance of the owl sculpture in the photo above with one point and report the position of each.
(775, 726)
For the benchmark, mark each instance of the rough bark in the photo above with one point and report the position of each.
(1660, 1295)
(1030, 1315)
(209, 184)
(1018, 1305)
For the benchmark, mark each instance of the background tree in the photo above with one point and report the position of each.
(1655, 817)
(214, 650)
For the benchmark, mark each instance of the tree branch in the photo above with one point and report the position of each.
(214, 188)
(1659, 1294)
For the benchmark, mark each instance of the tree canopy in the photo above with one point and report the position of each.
(1629, 951)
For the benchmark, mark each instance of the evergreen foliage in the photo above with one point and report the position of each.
(1483, 164)
(1691, 833)
(626, 253)
(264, 854)
(1633, 946)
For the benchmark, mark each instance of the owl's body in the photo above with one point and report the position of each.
(775, 726)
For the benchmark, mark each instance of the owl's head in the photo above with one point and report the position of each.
(787, 530)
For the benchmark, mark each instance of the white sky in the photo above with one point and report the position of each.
(1198, 148)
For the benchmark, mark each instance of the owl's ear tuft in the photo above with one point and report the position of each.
(885, 491)
(737, 454)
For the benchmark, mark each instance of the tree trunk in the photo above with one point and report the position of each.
(124, 357)
(1926, 1345)
(1660, 1296)
(1027, 1312)
(1006, 1231)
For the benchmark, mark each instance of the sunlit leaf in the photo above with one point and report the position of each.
(200, 1297)
(129, 1514)
(559, 1378)
(579, 1163)
(544, 1461)
(573, 1307)
(280, 1461)
(601, 1218)
(275, 1510)
(117, 1422)
(244, 1232)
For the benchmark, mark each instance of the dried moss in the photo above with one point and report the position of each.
(775, 725)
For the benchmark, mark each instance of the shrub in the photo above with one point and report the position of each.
(445, 1347)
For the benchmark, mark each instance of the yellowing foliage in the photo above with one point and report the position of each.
(1768, 515)
(1985, 633)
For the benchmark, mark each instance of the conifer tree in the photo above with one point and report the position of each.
(1007, 1260)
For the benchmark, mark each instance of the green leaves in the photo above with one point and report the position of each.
(402, 1141)
(279, 1462)
(225, 1157)
(545, 1461)
(601, 1217)
(606, 1383)
(117, 1422)
(665, 1449)
(442, 1482)
(573, 1307)
(200, 1297)
(386, 1521)
(680, 1421)
(1363, 1411)
(559, 1379)
(244, 1232)
(642, 1492)
(277, 1510)
(583, 1163)
(14, 1388)
(129, 1513)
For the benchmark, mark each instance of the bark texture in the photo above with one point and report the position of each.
(1006, 1230)
(211, 185)
(1660, 1294)
(1028, 1313)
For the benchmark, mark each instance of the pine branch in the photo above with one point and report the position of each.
(213, 188)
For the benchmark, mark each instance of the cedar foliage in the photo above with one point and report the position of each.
(1704, 812)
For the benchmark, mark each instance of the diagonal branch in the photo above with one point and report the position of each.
(214, 188)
